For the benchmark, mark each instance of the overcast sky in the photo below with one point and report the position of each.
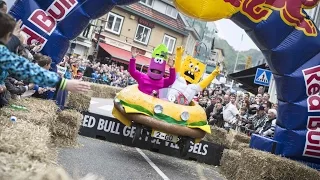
(232, 33)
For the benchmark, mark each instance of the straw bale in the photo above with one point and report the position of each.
(26, 138)
(40, 112)
(18, 166)
(258, 165)
(65, 129)
(230, 163)
(218, 136)
(79, 101)
(52, 173)
(243, 138)
(63, 141)
(104, 91)
(70, 117)
(236, 145)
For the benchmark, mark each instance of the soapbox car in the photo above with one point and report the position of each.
(166, 115)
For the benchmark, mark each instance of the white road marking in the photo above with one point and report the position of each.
(106, 107)
(152, 164)
(93, 102)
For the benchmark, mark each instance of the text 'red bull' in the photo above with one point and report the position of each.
(290, 12)
(47, 21)
(312, 81)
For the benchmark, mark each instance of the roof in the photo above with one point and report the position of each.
(150, 14)
(246, 77)
(124, 55)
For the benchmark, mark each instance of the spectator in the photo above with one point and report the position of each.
(230, 113)
(258, 120)
(270, 125)
(216, 118)
(3, 7)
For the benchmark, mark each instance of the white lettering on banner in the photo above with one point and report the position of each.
(32, 36)
(100, 124)
(47, 20)
(85, 120)
(88, 121)
(108, 126)
(157, 141)
(199, 148)
(126, 131)
(312, 82)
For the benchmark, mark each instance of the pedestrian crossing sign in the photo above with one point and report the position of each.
(263, 77)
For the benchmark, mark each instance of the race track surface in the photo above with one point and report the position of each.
(118, 162)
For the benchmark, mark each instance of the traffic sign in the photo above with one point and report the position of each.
(263, 77)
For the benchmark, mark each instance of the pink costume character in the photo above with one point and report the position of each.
(153, 80)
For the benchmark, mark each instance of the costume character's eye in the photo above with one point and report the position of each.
(196, 68)
(160, 61)
(190, 65)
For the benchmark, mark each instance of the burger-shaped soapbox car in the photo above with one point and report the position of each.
(165, 116)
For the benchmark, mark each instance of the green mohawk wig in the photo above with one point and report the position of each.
(161, 51)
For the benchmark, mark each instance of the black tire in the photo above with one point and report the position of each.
(184, 146)
(137, 134)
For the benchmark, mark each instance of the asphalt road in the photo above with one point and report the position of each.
(114, 161)
(118, 162)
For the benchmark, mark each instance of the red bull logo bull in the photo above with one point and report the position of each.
(290, 12)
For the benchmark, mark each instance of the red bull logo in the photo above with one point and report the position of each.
(290, 12)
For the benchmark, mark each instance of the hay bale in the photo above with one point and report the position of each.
(242, 138)
(256, 165)
(66, 127)
(104, 91)
(230, 163)
(79, 101)
(18, 166)
(26, 138)
(236, 145)
(63, 141)
(39, 111)
(52, 173)
(218, 136)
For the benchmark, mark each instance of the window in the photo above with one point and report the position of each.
(142, 34)
(114, 23)
(170, 42)
(146, 2)
(172, 12)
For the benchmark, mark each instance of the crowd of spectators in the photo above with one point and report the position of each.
(241, 111)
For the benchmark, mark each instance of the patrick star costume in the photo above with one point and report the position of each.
(153, 80)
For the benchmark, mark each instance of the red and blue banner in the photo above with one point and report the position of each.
(54, 23)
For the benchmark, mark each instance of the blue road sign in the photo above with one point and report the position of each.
(263, 77)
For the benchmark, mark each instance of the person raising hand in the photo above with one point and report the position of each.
(23, 69)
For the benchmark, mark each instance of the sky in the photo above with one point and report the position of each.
(9, 3)
(232, 34)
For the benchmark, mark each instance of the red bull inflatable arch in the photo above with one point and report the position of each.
(291, 44)
(280, 28)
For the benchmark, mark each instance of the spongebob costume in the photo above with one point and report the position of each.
(188, 75)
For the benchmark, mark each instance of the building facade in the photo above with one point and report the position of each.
(143, 25)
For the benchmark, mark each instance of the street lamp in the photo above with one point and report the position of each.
(98, 40)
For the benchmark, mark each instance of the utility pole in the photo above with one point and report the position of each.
(98, 40)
